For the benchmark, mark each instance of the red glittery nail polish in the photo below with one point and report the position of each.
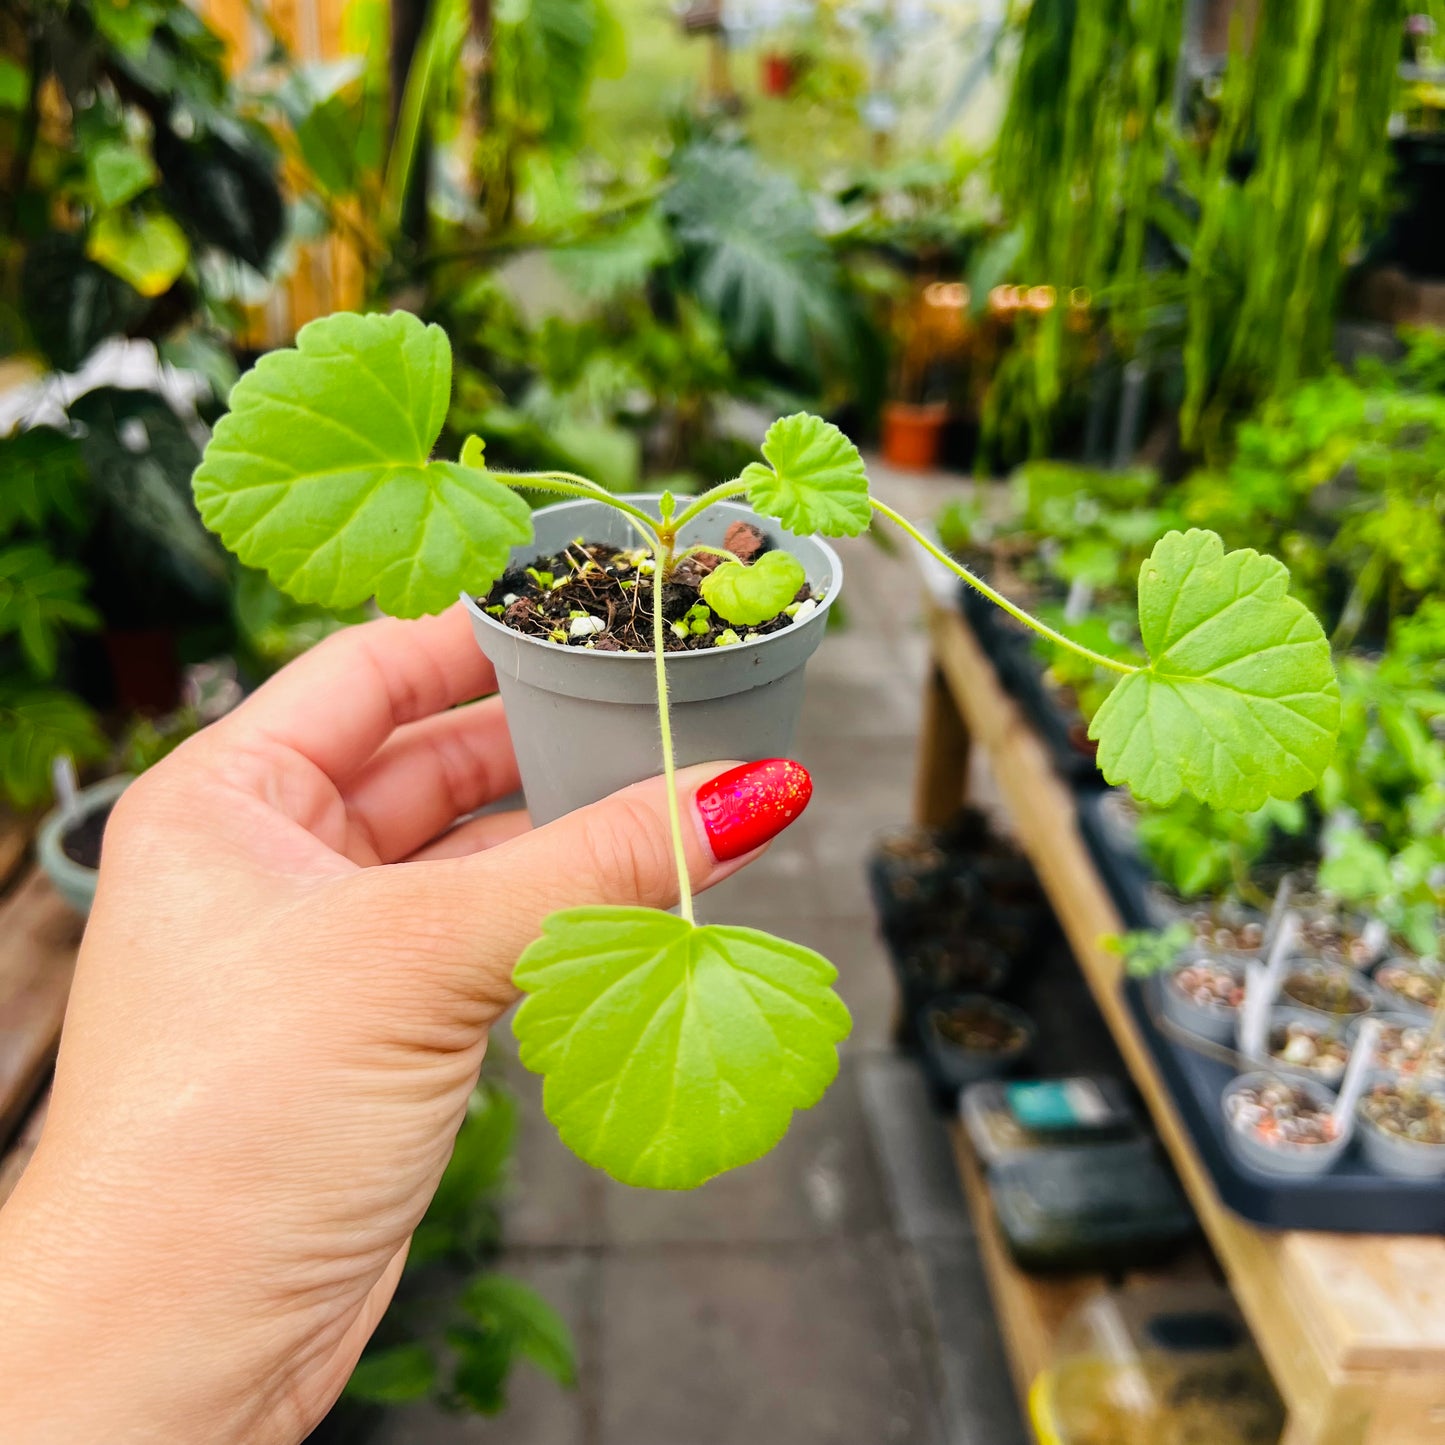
(745, 806)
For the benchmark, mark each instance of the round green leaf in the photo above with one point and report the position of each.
(750, 595)
(673, 1051)
(319, 473)
(1239, 702)
(817, 482)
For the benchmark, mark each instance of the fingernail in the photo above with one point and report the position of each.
(745, 806)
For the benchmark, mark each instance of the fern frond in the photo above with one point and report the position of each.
(38, 725)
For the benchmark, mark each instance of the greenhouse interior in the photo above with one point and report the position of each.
(722, 722)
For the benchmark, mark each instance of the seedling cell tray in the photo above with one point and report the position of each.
(1351, 1199)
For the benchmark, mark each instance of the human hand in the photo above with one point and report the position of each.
(279, 1012)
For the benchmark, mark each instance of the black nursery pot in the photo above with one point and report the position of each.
(920, 892)
(348, 1422)
(1005, 1036)
(936, 969)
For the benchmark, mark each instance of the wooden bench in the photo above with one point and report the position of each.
(1351, 1326)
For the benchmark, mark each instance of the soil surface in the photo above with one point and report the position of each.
(980, 1029)
(80, 842)
(1409, 1113)
(599, 597)
(1326, 993)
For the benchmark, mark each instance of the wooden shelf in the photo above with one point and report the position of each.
(1030, 1308)
(1352, 1326)
(39, 937)
(14, 1160)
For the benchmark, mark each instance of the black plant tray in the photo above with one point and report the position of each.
(1021, 674)
(1351, 1199)
(1125, 874)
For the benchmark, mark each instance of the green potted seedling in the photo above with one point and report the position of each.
(322, 475)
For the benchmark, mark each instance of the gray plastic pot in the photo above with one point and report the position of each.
(957, 1067)
(1403, 1158)
(1213, 1021)
(1393, 999)
(1401, 1019)
(1297, 1159)
(1321, 1025)
(1352, 984)
(585, 723)
(73, 881)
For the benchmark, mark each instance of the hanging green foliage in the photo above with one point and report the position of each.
(1082, 150)
(1305, 106)
(1257, 194)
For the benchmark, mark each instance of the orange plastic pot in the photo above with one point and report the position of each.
(912, 434)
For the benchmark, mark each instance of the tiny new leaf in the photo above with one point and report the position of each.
(1239, 702)
(817, 481)
(752, 594)
(673, 1051)
(320, 474)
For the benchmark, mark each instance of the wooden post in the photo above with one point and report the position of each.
(942, 782)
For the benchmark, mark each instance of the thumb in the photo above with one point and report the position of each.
(618, 851)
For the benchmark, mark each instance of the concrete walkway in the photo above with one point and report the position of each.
(829, 1294)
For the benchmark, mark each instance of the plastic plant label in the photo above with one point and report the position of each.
(1051, 1104)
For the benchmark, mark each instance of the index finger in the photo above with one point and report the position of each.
(337, 704)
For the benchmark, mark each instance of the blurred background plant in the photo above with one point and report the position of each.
(458, 1326)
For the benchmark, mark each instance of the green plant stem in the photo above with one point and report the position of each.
(1357, 604)
(998, 599)
(596, 488)
(704, 549)
(568, 485)
(669, 764)
(719, 493)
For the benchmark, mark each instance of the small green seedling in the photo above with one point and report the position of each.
(674, 1050)
(1149, 951)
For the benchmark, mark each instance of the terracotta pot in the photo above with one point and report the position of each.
(779, 73)
(911, 434)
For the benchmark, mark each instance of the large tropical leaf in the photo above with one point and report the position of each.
(755, 257)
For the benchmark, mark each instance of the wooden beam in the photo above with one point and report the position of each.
(39, 935)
